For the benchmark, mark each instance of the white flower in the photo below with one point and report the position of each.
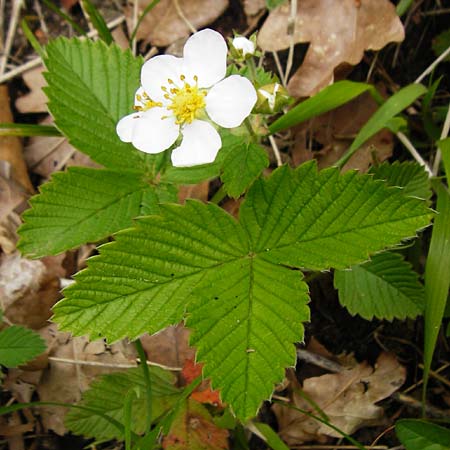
(181, 95)
(245, 45)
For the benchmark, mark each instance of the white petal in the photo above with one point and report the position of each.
(154, 132)
(229, 102)
(200, 145)
(157, 71)
(205, 55)
(126, 125)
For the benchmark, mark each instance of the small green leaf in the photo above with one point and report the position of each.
(385, 287)
(19, 345)
(421, 435)
(437, 276)
(327, 99)
(90, 87)
(389, 109)
(410, 176)
(84, 205)
(107, 394)
(243, 162)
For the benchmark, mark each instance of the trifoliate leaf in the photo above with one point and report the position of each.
(421, 435)
(107, 395)
(243, 162)
(385, 287)
(234, 281)
(410, 176)
(90, 87)
(85, 205)
(19, 345)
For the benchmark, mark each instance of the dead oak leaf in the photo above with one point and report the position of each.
(348, 398)
(338, 32)
(164, 24)
(36, 100)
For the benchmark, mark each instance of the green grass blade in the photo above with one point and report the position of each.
(148, 381)
(50, 5)
(329, 98)
(437, 278)
(32, 38)
(393, 105)
(25, 129)
(403, 6)
(147, 9)
(97, 21)
(444, 147)
(272, 438)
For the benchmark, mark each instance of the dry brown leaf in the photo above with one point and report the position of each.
(335, 131)
(198, 191)
(253, 7)
(36, 100)
(28, 290)
(164, 25)
(11, 147)
(170, 347)
(45, 155)
(348, 399)
(338, 32)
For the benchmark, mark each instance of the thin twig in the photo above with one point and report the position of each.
(431, 67)
(291, 32)
(276, 151)
(110, 365)
(415, 154)
(183, 17)
(319, 361)
(279, 68)
(10, 35)
(37, 7)
(38, 61)
(416, 385)
(436, 12)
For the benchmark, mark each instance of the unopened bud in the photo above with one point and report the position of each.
(271, 98)
(244, 45)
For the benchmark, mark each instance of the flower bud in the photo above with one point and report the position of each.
(244, 46)
(271, 99)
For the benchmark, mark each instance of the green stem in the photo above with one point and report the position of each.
(252, 67)
(218, 196)
(147, 379)
(250, 129)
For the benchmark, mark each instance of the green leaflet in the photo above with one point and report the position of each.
(19, 345)
(421, 435)
(243, 162)
(408, 175)
(231, 280)
(85, 205)
(90, 87)
(107, 395)
(385, 287)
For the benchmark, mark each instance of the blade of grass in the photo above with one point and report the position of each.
(403, 6)
(97, 21)
(272, 438)
(327, 99)
(50, 5)
(444, 146)
(389, 109)
(325, 422)
(147, 9)
(25, 129)
(437, 278)
(32, 38)
(147, 380)
(127, 417)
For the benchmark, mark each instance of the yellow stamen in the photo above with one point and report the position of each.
(147, 102)
(187, 101)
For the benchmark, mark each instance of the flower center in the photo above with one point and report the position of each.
(186, 101)
(146, 101)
